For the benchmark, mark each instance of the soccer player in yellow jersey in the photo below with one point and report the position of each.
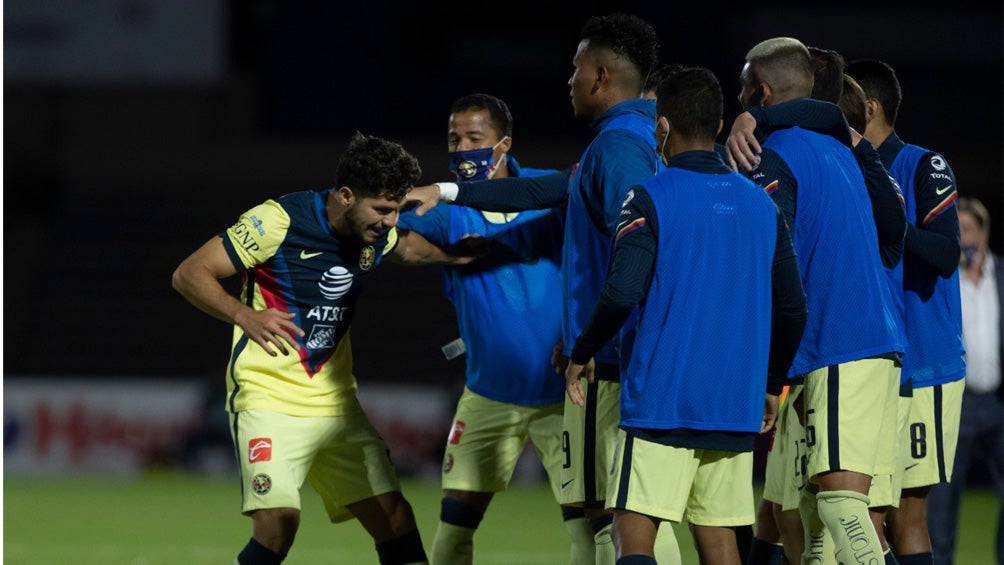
(291, 395)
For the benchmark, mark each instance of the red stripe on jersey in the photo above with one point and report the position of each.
(940, 208)
(771, 187)
(276, 300)
(632, 226)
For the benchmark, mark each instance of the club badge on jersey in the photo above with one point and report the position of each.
(475, 164)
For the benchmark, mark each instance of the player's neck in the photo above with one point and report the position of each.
(683, 145)
(335, 211)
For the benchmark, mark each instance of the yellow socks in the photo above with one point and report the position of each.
(845, 514)
(667, 548)
(453, 545)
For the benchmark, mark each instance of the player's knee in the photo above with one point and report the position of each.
(399, 513)
(460, 514)
(275, 528)
(402, 549)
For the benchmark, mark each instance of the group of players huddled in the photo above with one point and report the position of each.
(679, 284)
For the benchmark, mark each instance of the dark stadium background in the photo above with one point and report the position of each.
(109, 184)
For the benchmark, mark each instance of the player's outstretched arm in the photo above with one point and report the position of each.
(422, 198)
(197, 279)
(412, 249)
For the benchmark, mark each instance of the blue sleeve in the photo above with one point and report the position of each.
(807, 113)
(789, 309)
(516, 194)
(888, 206)
(433, 226)
(935, 237)
(774, 175)
(621, 161)
(628, 279)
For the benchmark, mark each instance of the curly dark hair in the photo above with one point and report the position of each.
(372, 166)
(626, 35)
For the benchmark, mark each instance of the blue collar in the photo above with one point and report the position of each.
(644, 107)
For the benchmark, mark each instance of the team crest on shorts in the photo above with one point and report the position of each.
(261, 483)
(448, 463)
(366, 257)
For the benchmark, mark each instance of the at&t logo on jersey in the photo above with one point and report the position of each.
(260, 450)
(335, 283)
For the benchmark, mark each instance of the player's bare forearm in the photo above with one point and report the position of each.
(215, 301)
(414, 250)
(198, 280)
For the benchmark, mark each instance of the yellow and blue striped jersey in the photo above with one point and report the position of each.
(292, 261)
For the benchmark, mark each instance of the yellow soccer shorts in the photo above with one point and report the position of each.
(589, 436)
(487, 438)
(850, 417)
(707, 487)
(343, 457)
(886, 489)
(784, 476)
(932, 434)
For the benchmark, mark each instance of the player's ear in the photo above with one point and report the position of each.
(871, 107)
(766, 93)
(345, 196)
(602, 77)
(721, 124)
(505, 144)
(661, 128)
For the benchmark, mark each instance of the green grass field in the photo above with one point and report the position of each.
(176, 519)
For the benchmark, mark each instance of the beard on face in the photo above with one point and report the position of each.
(357, 227)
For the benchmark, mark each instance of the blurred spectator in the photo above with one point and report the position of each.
(981, 431)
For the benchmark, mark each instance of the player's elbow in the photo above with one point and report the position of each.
(181, 278)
